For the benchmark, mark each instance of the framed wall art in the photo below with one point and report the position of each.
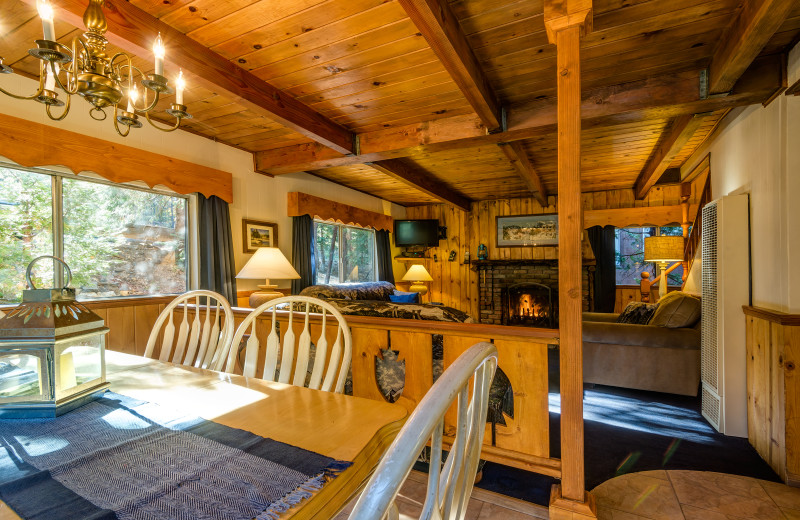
(527, 230)
(256, 233)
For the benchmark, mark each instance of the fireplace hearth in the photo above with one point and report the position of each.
(529, 304)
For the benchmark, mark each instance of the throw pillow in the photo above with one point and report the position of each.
(404, 297)
(676, 310)
(637, 313)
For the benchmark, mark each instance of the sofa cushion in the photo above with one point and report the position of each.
(351, 291)
(676, 310)
(404, 297)
(637, 313)
(640, 335)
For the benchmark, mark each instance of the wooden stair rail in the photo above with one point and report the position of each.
(646, 284)
(695, 236)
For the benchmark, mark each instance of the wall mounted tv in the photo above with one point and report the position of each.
(416, 233)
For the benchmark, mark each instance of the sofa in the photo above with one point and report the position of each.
(662, 354)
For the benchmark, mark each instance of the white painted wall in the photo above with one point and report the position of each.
(255, 196)
(756, 150)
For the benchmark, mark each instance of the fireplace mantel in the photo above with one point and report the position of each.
(478, 264)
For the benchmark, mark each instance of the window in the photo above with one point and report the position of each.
(630, 255)
(343, 253)
(118, 241)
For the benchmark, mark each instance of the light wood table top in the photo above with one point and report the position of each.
(338, 426)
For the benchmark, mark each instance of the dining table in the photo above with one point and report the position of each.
(339, 426)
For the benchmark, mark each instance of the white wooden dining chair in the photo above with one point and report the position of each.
(206, 342)
(449, 483)
(292, 354)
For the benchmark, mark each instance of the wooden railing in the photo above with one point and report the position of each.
(693, 242)
(523, 442)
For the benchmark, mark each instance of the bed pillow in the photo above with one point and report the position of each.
(637, 313)
(677, 310)
(404, 297)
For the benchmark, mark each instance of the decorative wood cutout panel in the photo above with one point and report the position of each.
(33, 144)
(299, 203)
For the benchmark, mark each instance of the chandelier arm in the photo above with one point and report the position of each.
(66, 90)
(63, 114)
(152, 105)
(116, 124)
(177, 124)
(71, 71)
(42, 71)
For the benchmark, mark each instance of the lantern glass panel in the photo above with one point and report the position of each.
(79, 362)
(21, 375)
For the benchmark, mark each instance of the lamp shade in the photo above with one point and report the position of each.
(417, 273)
(663, 249)
(268, 262)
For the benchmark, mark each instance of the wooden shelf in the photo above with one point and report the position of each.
(411, 258)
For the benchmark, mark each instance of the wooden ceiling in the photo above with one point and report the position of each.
(407, 99)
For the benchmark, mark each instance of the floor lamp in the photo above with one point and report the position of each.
(663, 250)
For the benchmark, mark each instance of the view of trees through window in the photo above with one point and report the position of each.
(117, 241)
(343, 253)
(630, 255)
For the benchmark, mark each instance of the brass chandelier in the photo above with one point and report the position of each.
(85, 69)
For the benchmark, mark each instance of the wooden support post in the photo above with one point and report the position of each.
(565, 21)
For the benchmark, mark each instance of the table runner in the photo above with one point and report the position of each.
(121, 458)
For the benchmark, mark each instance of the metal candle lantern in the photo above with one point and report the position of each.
(52, 353)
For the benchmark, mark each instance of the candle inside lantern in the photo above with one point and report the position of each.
(46, 14)
(133, 96)
(180, 84)
(159, 52)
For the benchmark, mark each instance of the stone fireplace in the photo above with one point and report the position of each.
(530, 304)
(523, 292)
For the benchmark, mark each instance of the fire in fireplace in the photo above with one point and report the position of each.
(529, 304)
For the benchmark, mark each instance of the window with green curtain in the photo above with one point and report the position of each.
(344, 254)
(118, 240)
(629, 252)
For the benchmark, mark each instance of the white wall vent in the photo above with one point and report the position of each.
(726, 288)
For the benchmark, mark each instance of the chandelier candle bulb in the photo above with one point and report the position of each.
(50, 79)
(180, 84)
(46, 14)
(133, 96)
(159, 52)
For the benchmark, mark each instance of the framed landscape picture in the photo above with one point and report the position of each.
(527, 230)
(256, 233)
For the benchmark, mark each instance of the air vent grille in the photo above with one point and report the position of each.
(711, 407)
(710, 325)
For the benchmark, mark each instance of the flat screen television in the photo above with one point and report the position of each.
(424, 232)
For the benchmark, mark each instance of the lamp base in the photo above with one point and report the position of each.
(261, 297)
(418, 287)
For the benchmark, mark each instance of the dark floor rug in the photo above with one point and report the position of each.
(628, 431)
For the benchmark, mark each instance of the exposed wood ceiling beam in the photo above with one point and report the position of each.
(441, 30)
(662, 97)
(421, 180)
(134, 30)
(744, 39)
(516, 153)
(683, 128)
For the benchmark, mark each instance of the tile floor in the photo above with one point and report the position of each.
(694, 495)
(484, 505)
(648, 495)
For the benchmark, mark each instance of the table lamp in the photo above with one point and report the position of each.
(663, 250)
(417, 274)
(266, 263)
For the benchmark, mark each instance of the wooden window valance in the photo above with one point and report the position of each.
(34, 144)
(637, 217)
(299, 203)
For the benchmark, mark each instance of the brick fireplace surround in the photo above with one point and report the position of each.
(495, 275)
